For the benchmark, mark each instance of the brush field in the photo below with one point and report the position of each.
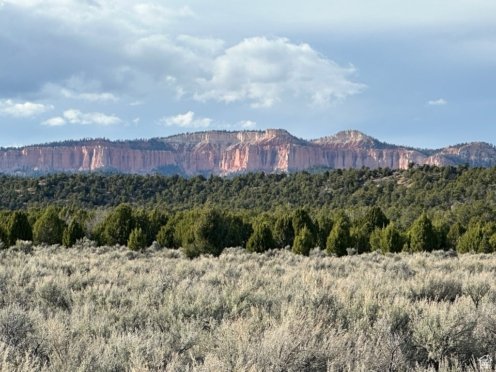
(110, 309)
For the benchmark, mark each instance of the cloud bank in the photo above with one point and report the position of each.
(74, 116)
(22, 109)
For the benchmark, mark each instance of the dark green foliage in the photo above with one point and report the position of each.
(302, 219)
(401, 194)
(48, 228)
(137, 240)
(454, 198)
(455, 232)
(441, 229)
(360, 238)
(303, 242)
(150, 223)
(261, 239)
(207, 235)
(387, 240)
(339, 239)
(392, 239)
(474, 240)
(165, 236)
(283, 231)
(18, 227)
(118, 225)
(324, 227)
(72, 233)
(374, 218)
(422, 235)
(238, 231)
(4, 238)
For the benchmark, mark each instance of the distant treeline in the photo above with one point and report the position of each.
(401, 194)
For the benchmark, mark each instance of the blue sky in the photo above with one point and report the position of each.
(416, 73)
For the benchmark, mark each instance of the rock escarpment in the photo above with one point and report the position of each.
(224, 153)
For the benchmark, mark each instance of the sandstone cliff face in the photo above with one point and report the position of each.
(224, 153)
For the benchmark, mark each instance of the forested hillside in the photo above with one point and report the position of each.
(423, 187)
(350, 211)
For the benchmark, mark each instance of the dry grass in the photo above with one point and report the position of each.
(109, 309)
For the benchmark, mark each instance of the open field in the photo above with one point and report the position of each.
(111, 309)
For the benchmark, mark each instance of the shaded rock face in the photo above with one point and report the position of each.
(224, 153)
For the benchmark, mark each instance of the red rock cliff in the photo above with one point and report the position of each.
(223, 153)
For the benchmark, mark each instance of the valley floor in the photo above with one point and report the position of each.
(111, 309)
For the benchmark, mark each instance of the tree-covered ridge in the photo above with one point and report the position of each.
(419, 209)
(395, 191)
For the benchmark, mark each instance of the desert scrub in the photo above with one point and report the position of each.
(94, 308)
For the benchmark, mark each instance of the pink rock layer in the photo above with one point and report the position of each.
(224, 153)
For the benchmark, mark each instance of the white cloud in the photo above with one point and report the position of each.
(90, 97)
(22, 109)
(265, 71)
(187, 120)
(437, 102)
(54, 122)
(92, 118)
(248, 124)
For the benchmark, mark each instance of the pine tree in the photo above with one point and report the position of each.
(473, 240)
(18, 228)
(455, 232)
(48, 228)
(303, 242)
(302, 219)
(261, 240)
(165, 236)
(118, 225)
(137, 240)
(339, 237)
(207, 235)
(422, 235)
(283, 231)
(72, 233)
(391, 239)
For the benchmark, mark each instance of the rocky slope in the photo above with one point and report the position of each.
(223, 153)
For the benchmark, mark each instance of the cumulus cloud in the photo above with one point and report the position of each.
(248, 124)
(265, 71)
(132, 48)
(437, 102)
(55, 122)
(92, 118)
(23, 109)
(90, 97)
(187, 120)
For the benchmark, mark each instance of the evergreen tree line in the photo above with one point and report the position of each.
(210, 230)
(402, 194)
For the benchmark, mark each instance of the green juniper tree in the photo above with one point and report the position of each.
(339, 238)
(72, 233)
(261, 239)
(48, 228)
(137, 239)
(19, 228)
(422, 235)
(118, 225)
(303, 242)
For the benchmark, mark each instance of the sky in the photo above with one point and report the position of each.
(418, 73)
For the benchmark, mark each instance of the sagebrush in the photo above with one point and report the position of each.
(110, 309)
